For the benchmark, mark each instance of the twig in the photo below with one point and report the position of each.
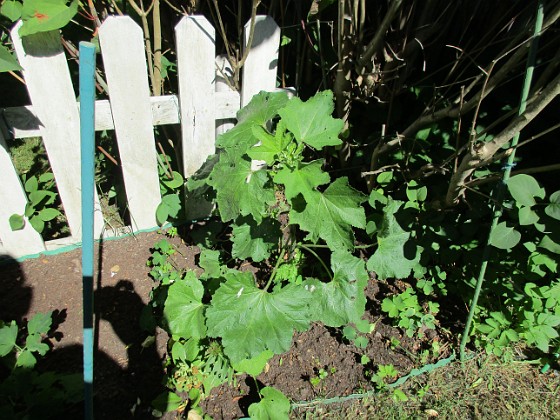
(251, 35)
(497, 177)
(106, 153)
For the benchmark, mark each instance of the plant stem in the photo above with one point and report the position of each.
(507, 171)
(319, 258)
(273, 275)
(326, 246)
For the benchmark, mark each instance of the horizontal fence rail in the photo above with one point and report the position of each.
(204, 105)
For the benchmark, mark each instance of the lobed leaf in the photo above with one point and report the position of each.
(342, 300)
(311, 122)
(239, 190)
(184, 309)
(255, 241)
(396, 255)
(8, 336)
(251, 320)
(303, 179)
(330, 215)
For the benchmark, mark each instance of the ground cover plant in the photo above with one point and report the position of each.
(398, 191)
(295, 246)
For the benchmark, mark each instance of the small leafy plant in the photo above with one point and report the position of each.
(24, 392)
(283, 209)
(411, 316)
(40, 208)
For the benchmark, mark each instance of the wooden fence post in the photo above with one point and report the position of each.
(124, 57)
(54, 102)
(260, 68)
(196, 69)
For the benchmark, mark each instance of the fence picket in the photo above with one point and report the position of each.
(13, 198)
(54, 102)
(262, 63)
(124, 58)
(196, 69)
(223, 73)
(204, 104)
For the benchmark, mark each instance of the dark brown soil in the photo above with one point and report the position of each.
(128, 376)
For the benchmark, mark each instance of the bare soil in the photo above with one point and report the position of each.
(128, 376)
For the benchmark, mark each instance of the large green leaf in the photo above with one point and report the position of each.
(330, 215)
(184, 310)
(11, 9)
(46, 15)
(273, 406)
(341, 300)
(251, 320)
(254, 241)
(311, 122)
(524, 188)
(239, 190)
(396, 255)
(7, 61)
(303, 179)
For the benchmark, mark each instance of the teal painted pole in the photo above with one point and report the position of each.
(87, 134)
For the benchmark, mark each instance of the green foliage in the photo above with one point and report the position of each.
(40, 15)
(25, 393)
(171, 184)
(273, 405)
(411, 316)
(396, 255)
(40, 207)
(251, 320)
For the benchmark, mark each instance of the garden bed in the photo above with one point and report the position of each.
(128, 375)
(320, 366)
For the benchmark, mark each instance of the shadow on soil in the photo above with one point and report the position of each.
(122, 388)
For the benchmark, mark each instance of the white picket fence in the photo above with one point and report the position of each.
(201, 103)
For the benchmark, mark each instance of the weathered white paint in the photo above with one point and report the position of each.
(224, 84)
(50, 88)
(132, 112)
(196, 71)
(124, 59)
(262, 62)
(22, 121)
(13, 198)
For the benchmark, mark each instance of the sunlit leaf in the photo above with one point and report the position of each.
(251, 320)
(184, 309)
(504, 237)
(273, 406)
(331, 215)
(311, 122)
(524, 188)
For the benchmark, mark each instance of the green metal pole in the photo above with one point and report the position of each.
(87, 134)
(500, 189)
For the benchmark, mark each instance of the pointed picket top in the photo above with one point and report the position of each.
(50, 89)
(261, 67)
(124, 58)
(196, 71)
(13, 198)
